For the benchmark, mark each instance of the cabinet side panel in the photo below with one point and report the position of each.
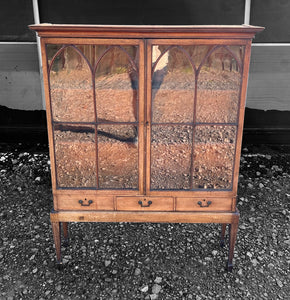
(246, 64)
(48, 113)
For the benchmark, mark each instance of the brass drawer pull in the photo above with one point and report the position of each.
(208, 203)
(82, 202)
(141, 203)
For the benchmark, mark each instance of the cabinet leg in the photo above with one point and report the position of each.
(65, 234)
(233, 229)
(57, 240)
(222, 240)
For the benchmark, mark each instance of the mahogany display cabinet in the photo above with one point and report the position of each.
(145, 123)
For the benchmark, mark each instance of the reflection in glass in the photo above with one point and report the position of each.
(70, 86)
(173, 84)
(116, 85)
(171, 148)
(214, 150)
(118, 156)
(51, 50)
(218, 86)
(75, 155)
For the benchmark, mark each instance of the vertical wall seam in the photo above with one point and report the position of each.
(37, 21)
(247, 12)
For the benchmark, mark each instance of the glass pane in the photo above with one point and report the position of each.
(75, 155)
(118, 156)
(117, 85)
(51, 50)
(173, 84)
(171, 149)
(214, 151)
(70, 86)
(218, 86)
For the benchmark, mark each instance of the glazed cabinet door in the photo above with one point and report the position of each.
(96, 110)
(193, 105)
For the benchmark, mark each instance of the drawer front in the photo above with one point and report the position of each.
(74, 202)
(145, 203)
(204, 204)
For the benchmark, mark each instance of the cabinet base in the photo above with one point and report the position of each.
(225, 218)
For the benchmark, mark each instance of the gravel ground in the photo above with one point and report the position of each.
(144, 261)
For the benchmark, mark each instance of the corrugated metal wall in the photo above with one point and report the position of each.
(269, 81)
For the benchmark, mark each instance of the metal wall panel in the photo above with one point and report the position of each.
(19, 76)
(142, 12)
(269, 80)
(15, 17)
(274, 15)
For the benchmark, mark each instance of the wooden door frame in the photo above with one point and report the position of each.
(231, 193)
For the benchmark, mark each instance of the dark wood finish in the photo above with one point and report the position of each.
(147, 31)
(81, 202)
(143, 202)
(141, 217)
(223, 231)
(57, 239)
(233, 228)
(203, 204)
(65, 234)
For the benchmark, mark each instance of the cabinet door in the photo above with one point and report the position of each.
(193, 112)
(95, 113)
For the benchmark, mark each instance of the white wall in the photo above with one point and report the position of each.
(20, 86)
(269, 78)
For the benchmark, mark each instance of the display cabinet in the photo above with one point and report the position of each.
(145, 123)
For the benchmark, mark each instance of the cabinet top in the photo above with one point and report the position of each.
(147, 31)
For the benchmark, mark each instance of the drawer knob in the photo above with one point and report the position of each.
(88, 202)
(202, 204)
(142, 205)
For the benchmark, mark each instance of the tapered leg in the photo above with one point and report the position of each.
(233, 229)
(65, 234)
(57, 240)
(222, 240)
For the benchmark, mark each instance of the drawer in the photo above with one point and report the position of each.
(145, 203)
(203, 204)
(75, 202)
